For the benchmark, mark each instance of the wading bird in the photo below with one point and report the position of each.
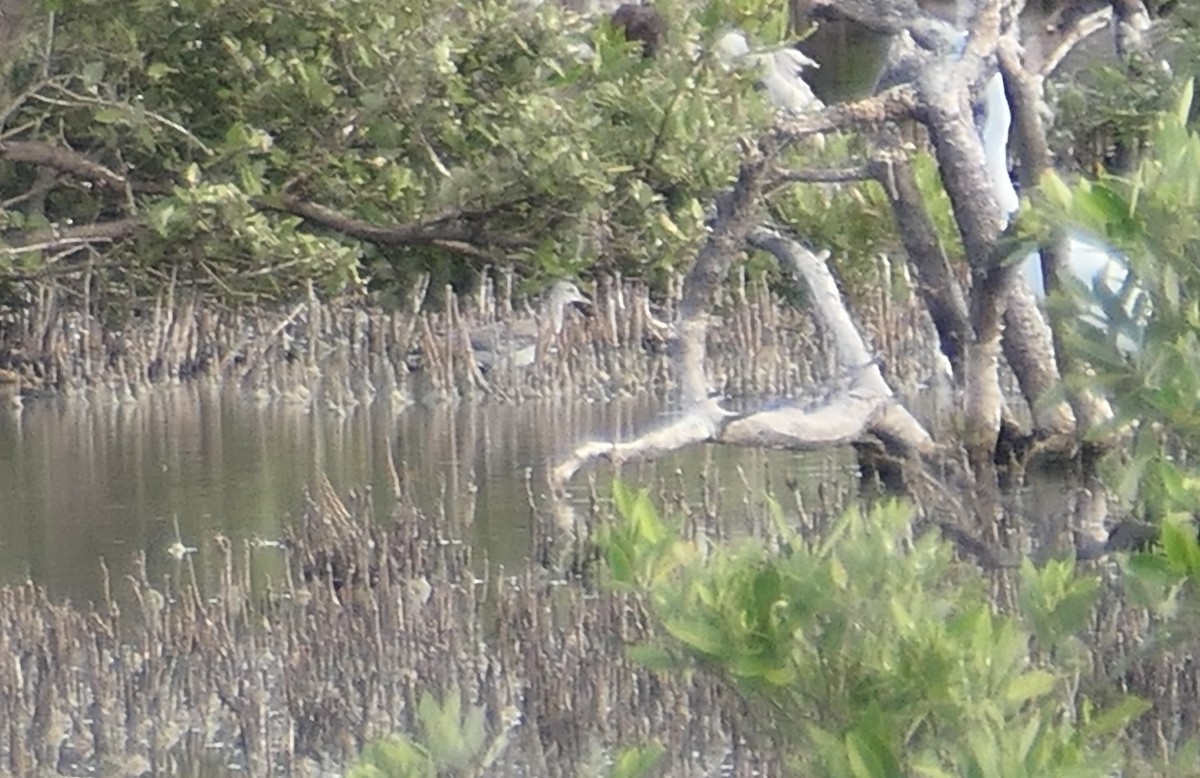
(515, 342)
(1096, 265)
(779, 71)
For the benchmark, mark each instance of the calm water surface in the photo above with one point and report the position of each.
(80, 484)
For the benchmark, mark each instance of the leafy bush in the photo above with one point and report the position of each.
(454, 741)
(1141, 342)
(871, 652)
(490, 125)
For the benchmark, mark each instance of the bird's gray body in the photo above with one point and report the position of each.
(515, 342)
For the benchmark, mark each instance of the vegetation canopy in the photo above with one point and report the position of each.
(250, 147)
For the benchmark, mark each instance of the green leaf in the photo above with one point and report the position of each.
(699, 636)
(158, 71)
(1030, 685)
(1183, 107)
(1180, 547)
(652, 657)
(1116, 718)
(864, 762)
(110, 115)
(830, 750)
(837, 573)
(1056, 190)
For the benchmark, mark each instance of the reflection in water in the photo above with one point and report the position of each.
(81, 484)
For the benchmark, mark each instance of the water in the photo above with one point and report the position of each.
(80, 484)
(85, 483)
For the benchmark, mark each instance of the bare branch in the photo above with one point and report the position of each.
(59, 238)
(1070, 35)
(899, 102)
(1029, 351)
(893, 424)
(1035, 351)
(437, 231)
(685, 431)
(7, 110)
(63, 159)
(937, 284)
(67, 160)
(944, 92)
(734, 220)
(865, 407)
(827, 176)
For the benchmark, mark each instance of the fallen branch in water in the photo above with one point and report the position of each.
(864, 406)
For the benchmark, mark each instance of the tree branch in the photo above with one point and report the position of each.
(944, 91)
(63, 159)
(436, 231)
(936, 283)
(67, 160)
(890, 17)
(887, 420)
(818, 176)
(58, 238)
(1067, 34)
(899, 102)
(865, 406)
(1036, 352)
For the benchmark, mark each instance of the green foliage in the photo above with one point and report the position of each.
(642, 549)
(869, 652)
(638, 762)
(452, 740)
(1056, 602)
(393, 757)
(1104, 110)
(488, 121)
(1142, 341)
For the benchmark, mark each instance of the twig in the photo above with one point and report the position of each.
(19, 101)
(84, 100)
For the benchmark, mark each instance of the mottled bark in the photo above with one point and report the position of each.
(1132, 23)
(961, 159)
(1029, 351)
(936, 283)
(865, 407)
(1035, 350)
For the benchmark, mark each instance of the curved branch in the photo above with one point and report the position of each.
(58, 238)
(885, 419)
(727, 236)
(865, 406)
(439, 230)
